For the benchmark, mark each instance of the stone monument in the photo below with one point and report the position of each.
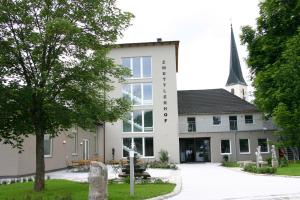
(98, 181)
(274, 157)
(259, 159)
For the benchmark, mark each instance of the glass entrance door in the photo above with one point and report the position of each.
(86, 149)
(194, 149)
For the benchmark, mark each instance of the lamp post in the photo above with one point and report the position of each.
(131, 163)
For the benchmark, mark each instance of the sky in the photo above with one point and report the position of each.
(203, 29)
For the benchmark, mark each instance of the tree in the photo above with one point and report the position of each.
(274, 60)
(54, 71)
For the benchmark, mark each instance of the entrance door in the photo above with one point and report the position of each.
(86, 149)
(194, 149)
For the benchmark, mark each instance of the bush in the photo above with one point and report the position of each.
(269, 161)
(283, 162)
(164, 156)
(230, 164)
(161, 165)
(225, 158)
(260, 170)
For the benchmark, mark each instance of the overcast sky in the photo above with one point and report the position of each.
(203, 29)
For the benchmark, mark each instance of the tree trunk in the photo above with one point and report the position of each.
(39, 183)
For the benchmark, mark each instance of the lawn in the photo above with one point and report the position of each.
(293, 169)
(63, 189)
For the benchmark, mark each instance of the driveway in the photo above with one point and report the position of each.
(212, 182)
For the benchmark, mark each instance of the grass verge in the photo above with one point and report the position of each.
(69, 190)
(293, 169)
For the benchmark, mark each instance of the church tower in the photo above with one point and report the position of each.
(235, 82)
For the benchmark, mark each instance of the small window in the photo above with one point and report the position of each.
(47, 146)
(216, 120)
(263, 143)
(225, 147)
(249, 119)
(191, 124)
(232, 90)
(244, 146)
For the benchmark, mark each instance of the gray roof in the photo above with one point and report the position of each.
(235, 72)
(213, 101)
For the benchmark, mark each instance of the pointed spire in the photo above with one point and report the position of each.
(235, 72)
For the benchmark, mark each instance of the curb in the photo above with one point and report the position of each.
(176, 190)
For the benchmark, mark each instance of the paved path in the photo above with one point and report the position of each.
(212, 182)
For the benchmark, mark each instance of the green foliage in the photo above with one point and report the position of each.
(225, 158)
(283, 162)
(162, 165)
(260, 170)
(163, 156)
(54, 69)
(230, 164)
(269, 161)
(274, 49)
(293, 169)
(65, 190)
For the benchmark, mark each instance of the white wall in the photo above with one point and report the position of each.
(165, 134)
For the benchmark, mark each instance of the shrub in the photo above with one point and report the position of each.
(225, 158)
(162, 165)
(29, 179)
(127, 179)
(269, 161)
(283, 162)
(230, 164)
(4, 182)
(12, 181)
(260, 170)
(158, 181)
(164, 156)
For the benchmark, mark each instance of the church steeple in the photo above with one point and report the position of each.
(235, 82)
(235, 72)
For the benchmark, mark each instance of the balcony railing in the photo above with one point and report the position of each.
(233, 125)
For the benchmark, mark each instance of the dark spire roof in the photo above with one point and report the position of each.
(235, 72)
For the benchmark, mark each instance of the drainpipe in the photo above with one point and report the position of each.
(235, 144)
(104, 160)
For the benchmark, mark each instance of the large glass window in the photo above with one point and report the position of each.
(249, 119)
(149, 147)
(127, 143)
(244, 146)
(216, 120)
(138, 121)
(47, 146)
(263, 143)
(225, 147)
(191, 124)
(143, 146)
(141, 67)
(138, 94)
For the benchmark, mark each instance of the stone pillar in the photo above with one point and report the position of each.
(98, 181)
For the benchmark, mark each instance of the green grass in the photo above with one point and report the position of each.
(56, 189)
(293, 169)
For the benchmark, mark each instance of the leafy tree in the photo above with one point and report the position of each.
(274, 60)
(54, 71)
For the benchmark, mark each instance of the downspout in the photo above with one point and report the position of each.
(104, 160)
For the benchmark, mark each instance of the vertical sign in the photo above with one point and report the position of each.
(164, 82)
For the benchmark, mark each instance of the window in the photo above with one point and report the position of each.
(143, 146)
(74, 131)
(138, 94)
(141, 67)
(138, 121)
(249, 119)
(232, 91)
(233, 123)
(244, 146)
(47, 146)
(263, 143)
(225, 147)
(191, 124)
(216, 120)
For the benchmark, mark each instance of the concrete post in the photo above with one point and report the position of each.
(131, 163)
(98, 181)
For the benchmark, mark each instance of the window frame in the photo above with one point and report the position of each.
(268, 148)
(143, 146)
(249, 150)
(230, 152)
(143, 122)
(131, 85)
(74, 131)
(51, 147)
(188, 124)
(214, 121)
(247, 122)
(141, 58)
